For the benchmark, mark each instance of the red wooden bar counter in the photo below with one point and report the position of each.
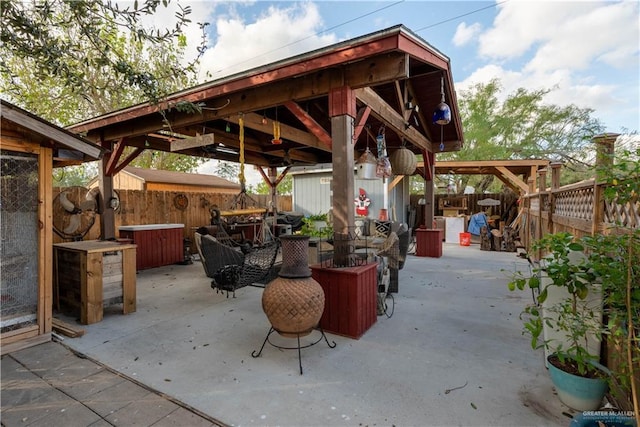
(158, 244)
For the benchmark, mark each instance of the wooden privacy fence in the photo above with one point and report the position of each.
(166, 207)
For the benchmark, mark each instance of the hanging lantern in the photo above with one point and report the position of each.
(276, 134)
(366, 165)
(442, 113)
(403, 161)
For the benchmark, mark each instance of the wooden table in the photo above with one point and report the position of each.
(90, 275)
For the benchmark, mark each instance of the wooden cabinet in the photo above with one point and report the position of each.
(158, 244)
(91, 275)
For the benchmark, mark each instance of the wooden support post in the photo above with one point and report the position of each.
(107, 218)
(273, 176)
(555, 174)
(556, 168)
(429, 193)
(605, 145)
(542, 180)
(342, 110)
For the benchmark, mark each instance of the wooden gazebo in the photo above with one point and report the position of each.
(515, 174)
(328, 104)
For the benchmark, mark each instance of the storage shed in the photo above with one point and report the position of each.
(132, 178)
(312, 192)
(30, 148)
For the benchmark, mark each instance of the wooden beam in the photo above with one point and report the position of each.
(254, 121)
(142, 120)
(114, 157)
(395, 182)
(361, 120)
(385, 113)
(513, 178)
(309, 122)
(508, 183)
(193, 142)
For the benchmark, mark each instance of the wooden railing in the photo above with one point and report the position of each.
(578, 208)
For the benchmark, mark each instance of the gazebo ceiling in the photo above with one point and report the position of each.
(395, 76)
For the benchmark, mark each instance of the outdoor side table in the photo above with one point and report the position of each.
(90, 275)
(429, 242)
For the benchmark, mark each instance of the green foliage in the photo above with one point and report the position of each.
(67, 61)
(74, 175)
(285, 187)
(612, 260)
(521, 127)
(228, 170)
(311, 228)
(94, 51)
(575, 275)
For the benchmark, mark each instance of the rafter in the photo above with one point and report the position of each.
(385, 113)
(255, 121)
(309, 122)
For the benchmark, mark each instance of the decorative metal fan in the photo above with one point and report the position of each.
(74, 212)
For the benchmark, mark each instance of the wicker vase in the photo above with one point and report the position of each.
(403, 161)
(294, 301)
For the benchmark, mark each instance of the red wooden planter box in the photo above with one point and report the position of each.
(158, 244)
(429, 242)
(350, 293)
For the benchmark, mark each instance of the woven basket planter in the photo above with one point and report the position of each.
(403, 161)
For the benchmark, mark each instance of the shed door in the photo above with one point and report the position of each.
(19, 240)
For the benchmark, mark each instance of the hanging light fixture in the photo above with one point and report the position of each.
(276, 130)
(442, 114)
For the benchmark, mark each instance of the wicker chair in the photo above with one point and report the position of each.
(232, 269)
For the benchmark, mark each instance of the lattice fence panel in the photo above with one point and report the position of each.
(625, 215)
(19, 247)
(575, 203)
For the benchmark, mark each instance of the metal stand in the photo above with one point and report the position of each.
(298, 347)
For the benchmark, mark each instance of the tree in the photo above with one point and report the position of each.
(228, 170)
(67, 61)
(74, 175)
(522, 127)
(77, 41)
(285, 187)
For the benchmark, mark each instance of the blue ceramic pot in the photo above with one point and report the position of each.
(580, 393)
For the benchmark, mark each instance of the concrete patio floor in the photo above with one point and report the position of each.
(451, 354)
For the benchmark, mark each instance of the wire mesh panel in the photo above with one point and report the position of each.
(19, 247)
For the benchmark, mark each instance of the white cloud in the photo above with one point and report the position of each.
(606, 34)
(520, 25)
(573, 48)
(277, 34)
(465, 33)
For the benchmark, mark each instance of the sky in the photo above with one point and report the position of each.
(586, 52)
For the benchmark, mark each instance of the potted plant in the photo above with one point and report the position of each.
(589, 288)
(614, 257)
(566, 276)
(316, 226)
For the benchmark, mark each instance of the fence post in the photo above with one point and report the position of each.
(605, 144)
(543, 197)
(556, 168)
